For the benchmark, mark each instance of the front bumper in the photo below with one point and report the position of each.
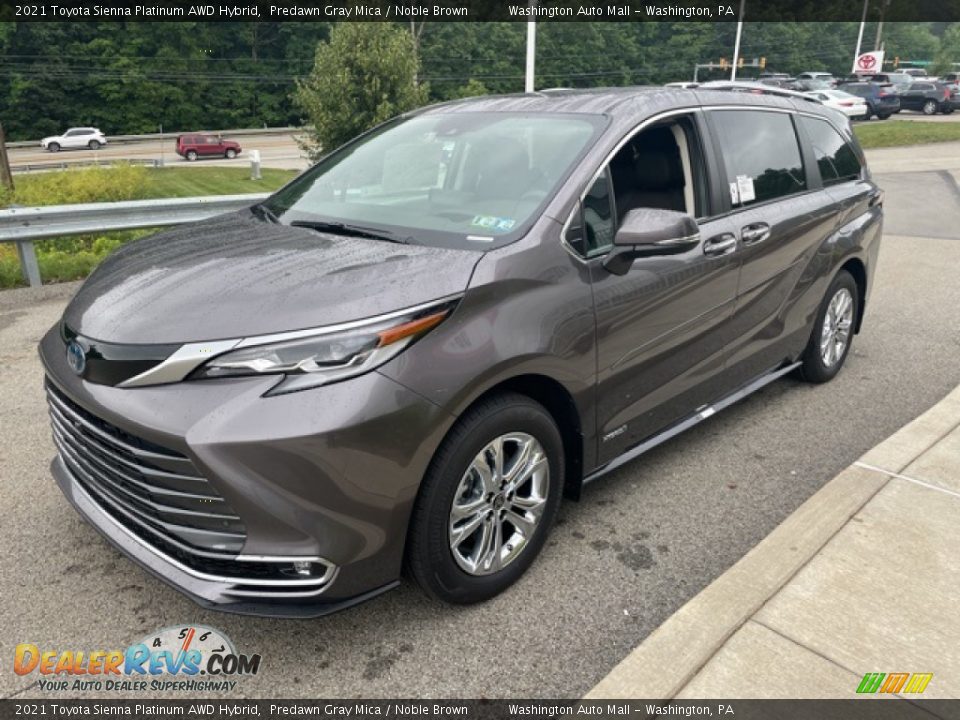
(330, 474)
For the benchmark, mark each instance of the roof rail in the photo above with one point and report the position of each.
(758, 88)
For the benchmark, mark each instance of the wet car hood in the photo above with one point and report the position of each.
(235, 275)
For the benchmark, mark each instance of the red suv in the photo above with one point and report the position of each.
(206, 145)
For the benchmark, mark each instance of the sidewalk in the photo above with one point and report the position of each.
(863, 578)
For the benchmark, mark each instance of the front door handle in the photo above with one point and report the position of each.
(754, 233)
(719, 245)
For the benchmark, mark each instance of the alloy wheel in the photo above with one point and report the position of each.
(499, 503)
(837, 323)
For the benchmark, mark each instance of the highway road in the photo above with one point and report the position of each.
(640, 543)
(280, 151)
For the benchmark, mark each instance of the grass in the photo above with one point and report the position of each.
(892, 133)
(190, 182)
(73, 258)
(32, 188)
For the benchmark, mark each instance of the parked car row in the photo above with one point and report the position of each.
(868, 96)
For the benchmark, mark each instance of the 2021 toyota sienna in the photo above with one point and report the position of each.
(409, 354)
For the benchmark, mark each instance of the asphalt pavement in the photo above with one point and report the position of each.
(640, 543)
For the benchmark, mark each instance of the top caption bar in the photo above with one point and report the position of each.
(482, 11)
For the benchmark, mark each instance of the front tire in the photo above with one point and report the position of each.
(832, 334)
(230, 154)
(487, 501)
(53, 147)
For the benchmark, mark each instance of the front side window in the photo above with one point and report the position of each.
(463, 179)
(660, 167)
(836, 159)
(761, 154)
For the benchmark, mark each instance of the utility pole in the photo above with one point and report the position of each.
(736, 46)
(6, 177)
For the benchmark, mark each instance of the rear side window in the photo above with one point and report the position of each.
(761, 154)
(836, 160)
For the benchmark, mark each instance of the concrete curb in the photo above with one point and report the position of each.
(672, 654)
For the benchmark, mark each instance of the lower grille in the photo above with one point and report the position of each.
(155, 492)
(159, 497)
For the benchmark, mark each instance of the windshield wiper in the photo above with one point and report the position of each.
(339, 228)
(264, 213)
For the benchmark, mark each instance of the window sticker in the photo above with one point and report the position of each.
(745, 188)
(734, 194)
(491, 222)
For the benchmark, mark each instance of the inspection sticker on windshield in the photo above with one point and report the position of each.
(492, 222)
(745, 188)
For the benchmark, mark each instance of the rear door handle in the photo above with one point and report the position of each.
(718, 245)
(754, 233)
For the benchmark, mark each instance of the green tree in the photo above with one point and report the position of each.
(365, 74)
(948, 57)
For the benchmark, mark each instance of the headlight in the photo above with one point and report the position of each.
(325, 357)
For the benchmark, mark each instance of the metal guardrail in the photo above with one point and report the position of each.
(23, 225)
(67, 164)
(123, 139)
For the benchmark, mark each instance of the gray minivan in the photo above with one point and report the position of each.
(406, 357)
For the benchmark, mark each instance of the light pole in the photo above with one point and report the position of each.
(736, 45)
(531, 50)
(878, 45)
(863, 23)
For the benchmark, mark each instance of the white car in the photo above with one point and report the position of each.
(85, 137)
(850, 105)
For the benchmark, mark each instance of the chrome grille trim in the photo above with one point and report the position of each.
(64, 444)
(71, 414)
(182, 509)
(80, 446)
(165, 530)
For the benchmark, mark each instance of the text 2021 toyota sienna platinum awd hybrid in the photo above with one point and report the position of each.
(409, 354)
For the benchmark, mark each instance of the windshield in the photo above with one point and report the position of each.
(465, 180)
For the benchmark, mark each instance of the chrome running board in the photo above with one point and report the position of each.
(699, 416)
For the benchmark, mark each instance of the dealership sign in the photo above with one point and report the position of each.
(869, 63)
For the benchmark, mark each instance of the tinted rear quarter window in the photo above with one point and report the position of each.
(761, 155)
(836, 159)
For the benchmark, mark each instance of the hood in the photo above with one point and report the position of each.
(235, 275)
(49, 138)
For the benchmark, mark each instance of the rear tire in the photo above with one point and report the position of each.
(94, 144)
(833, 331)
(929, 108)
(883, 116)
(191, 155)
(463, 546)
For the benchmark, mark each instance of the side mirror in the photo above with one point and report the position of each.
(649, 232)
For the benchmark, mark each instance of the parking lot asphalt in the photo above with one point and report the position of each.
(638, 545)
